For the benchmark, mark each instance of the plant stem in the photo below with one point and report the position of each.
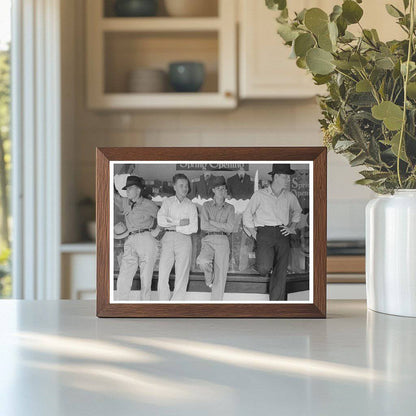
(373, 90)
(345, 75)
(406, 79)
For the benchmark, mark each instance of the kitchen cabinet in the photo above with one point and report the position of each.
(265, 70)
(118, 45)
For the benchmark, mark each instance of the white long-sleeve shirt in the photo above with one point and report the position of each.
(172, 211)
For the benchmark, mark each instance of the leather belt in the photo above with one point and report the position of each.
(139, 231)
(215, 233)
(170, 231)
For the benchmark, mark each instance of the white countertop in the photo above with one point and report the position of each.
(57, 358)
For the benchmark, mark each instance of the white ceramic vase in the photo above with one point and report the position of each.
(391, 253)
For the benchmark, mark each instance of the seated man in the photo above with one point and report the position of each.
(217, 220)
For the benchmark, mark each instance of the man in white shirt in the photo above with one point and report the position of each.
(179, 217)
(270, 217)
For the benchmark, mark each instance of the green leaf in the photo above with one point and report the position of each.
(358, 160)
(394, 143)
(325, 43)
(390, 113)
(319, 61)
(336, 12)
(375, 35)
(396, 71)
(341, 64)
(385, 63)
(374, 150)
(276, 4)
(393, 11)
(353, 130)
(363, 86)
(406, 4)
(333, 32)
(411, 90)
(381, 89)
(343, 145)
(361, 99)
(412, 67)
(347, 37)
(286, 32)
(358, 61)
(375, 175)
(364, 181)
(351, 11)
(303, 43)
(321, 79)
(301, 63)
(368, 36)
(301, 15)
(316, 20)
(342, 25)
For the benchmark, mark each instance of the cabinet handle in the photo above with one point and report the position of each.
(228, 94)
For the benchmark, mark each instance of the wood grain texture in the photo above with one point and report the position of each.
(317, 309)
(346, 264)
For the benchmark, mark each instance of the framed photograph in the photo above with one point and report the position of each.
(211, 232)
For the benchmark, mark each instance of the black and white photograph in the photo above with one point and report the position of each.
(211, 231)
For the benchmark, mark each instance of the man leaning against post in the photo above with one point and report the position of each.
(140, 248)
(179, 217)
(270, 217)
(217, 221)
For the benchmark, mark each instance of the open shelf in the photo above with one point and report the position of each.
(116, 46)
(195, 101)
(127, 51)
(160, 24)
(211, 9)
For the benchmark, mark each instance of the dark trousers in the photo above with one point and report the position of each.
(272, 253)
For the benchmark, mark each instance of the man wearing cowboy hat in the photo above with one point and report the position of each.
(179, 217)
(140, 248)
(270, 217)
(217, 220)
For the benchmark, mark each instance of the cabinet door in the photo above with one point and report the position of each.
(265, 68)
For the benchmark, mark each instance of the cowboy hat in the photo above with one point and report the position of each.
(120, 231)
(282, 168)
(134, 180)
(217, 181)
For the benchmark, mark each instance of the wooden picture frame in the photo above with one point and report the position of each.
(317, 159)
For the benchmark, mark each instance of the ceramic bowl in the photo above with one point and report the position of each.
(186, 76)
(135, 8)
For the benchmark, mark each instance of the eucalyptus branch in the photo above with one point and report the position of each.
(369, 41)
(406, 79)
(373, 89)
(392, 90)
(346, 75)
(397, 95)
